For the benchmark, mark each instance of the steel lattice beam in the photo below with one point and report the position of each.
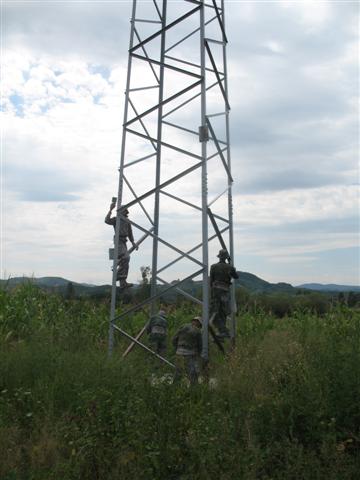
(150, 51)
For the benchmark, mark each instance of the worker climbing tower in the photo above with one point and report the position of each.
(175, 165)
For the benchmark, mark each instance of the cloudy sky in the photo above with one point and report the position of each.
(293, 87)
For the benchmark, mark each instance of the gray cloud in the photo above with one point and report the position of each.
(292, 118)
(42, 184)
(270, 180)
(95, 32)
(294, 132)
(345, 225)
(273, 22)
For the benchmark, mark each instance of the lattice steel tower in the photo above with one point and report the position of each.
(175, 166)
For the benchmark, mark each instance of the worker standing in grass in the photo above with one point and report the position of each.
(188, 344)
(221, 275)
(157, 331)
(125, 233)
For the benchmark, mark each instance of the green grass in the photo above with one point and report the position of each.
(286, 403)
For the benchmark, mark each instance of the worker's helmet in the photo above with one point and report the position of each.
(223, 254)
(197, 320)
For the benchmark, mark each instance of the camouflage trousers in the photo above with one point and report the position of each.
(220, 306)
(123, 261)
(158, 343)
(187, 365)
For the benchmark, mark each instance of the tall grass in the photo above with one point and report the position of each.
(285, 405)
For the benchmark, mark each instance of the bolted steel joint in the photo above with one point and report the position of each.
(203, 133)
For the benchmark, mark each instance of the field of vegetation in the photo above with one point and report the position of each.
(285, 404)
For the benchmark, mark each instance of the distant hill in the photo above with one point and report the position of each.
(257, 285)
(58, 285)
(331, 287)
(247, 280)
(50, 282)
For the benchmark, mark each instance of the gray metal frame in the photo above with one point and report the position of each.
(138, 121)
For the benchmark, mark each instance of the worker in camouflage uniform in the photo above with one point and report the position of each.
(157, 331)
(188, 344)
(221, 275)
(124, 234)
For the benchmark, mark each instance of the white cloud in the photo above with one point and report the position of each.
(294, 136)
(294, 206)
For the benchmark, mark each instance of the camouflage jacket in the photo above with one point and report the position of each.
(125, 228)
(188, 340)
(221, 274)
(157, 325)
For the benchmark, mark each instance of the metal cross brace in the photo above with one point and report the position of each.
(219, 20)
(155, 297)
(167, 27)
(217, 231)
(217, 74)
(147, 56)
(219, 149)
(164, 102)
(147, 349)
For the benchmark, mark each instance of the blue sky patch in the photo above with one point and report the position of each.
(66, 100)
(101, 69)
(44, 108)
(18, 103)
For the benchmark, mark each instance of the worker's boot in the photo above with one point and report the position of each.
(124, 284)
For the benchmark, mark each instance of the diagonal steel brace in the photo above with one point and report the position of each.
(162, 30)
(125, 334)
(217, 231)
(155, 297)
(217, 74)
(219, 149)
